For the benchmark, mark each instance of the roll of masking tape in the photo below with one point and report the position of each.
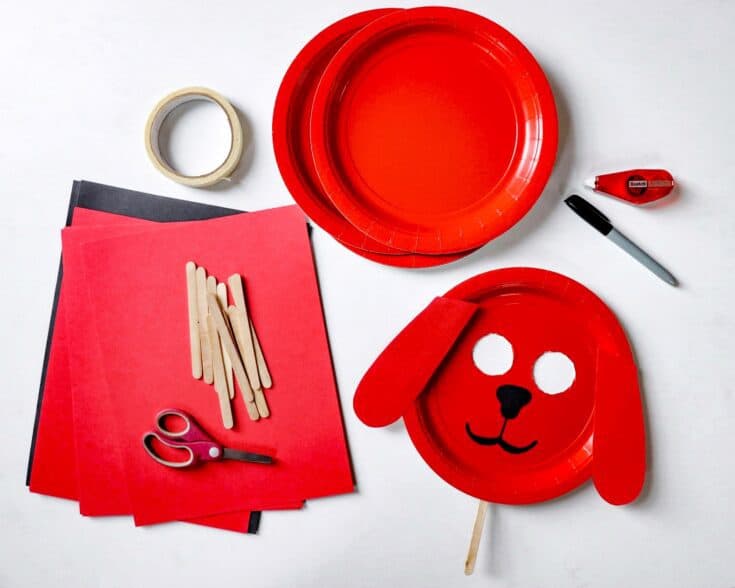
(165, 107)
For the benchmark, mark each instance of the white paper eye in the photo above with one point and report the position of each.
(554, 372)
(493, 355)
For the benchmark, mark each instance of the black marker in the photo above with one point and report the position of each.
(598, 220)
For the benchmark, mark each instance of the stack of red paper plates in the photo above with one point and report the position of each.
(415, 136)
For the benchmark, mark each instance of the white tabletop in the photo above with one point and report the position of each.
(638, 83)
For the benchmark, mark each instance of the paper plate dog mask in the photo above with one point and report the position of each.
(499, 431)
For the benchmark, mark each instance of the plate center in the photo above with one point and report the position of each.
(429, 125)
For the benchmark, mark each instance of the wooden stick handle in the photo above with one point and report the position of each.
(238, 292)
(220, 384)
(218, 362)
(194, 342)
(242, 334)
(214, 344)
(222, 297)
(261, 403)
(469, 565)
(240, 375)
(237, 320)
(202, 312)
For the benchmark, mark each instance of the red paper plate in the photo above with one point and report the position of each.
(291, 118)
(550, 438)
(410, 260)
(433, 130)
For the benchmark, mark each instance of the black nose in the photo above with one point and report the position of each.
(512, 400)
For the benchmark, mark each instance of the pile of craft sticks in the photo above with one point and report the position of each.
(224, 343)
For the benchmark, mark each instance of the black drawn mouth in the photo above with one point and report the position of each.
(498, 440)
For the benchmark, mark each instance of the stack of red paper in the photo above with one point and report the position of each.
(120, 353)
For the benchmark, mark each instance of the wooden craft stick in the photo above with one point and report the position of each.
(248, 398)
(260, 400)
(211, 285)
(261, 403)
(240, 375)
(237, 291)
(469, 565)
(216, 349)
(220, 384)
(214, 342)
(237, 320)
(222, 297)
(194, 341)
(265, 375)
(242, 334)
(202, 312)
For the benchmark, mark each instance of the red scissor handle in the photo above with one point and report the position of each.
(191, 438)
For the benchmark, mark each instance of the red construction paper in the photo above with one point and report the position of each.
(54, 466)
(54, 469)
(138, 293)
(102, 488)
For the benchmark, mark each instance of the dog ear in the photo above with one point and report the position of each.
(405, 367)
(619, 442)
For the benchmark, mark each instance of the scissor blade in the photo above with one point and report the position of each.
(246, 456)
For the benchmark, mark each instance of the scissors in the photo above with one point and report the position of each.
(193, 439)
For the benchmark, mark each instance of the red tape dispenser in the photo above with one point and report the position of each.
(638, 186)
